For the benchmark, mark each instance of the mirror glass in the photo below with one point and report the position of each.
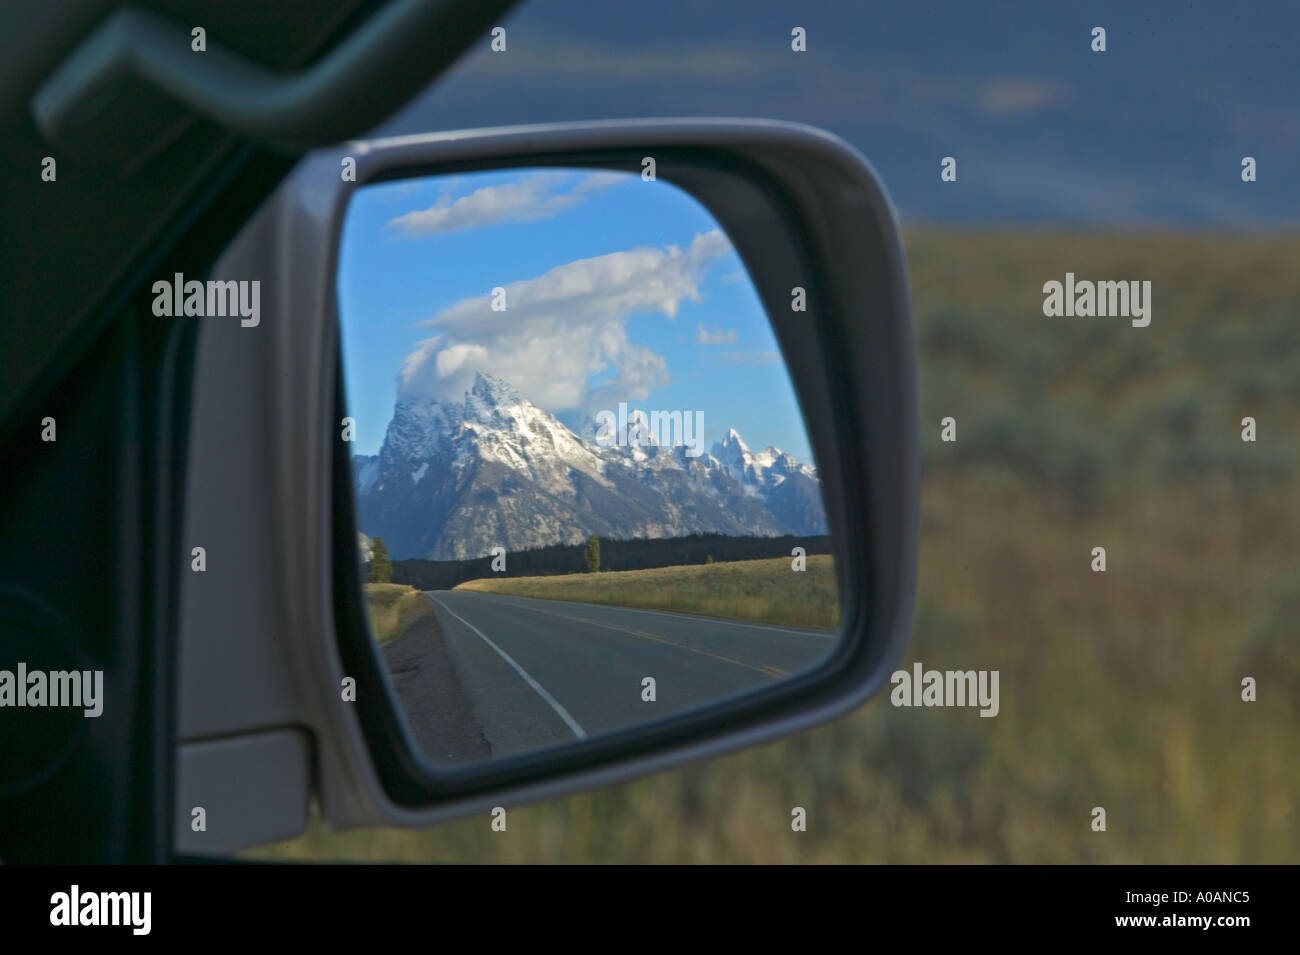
(584, 491)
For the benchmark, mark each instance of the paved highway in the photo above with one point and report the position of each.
(539, 672)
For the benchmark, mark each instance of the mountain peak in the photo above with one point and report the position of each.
(494, 390)
(733, 438)
(453, 480)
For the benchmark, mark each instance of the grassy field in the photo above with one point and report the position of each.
(1118, 689)
(392, 608)
(767, 591)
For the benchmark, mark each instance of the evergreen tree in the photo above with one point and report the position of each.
(592, 555)
(381, 568)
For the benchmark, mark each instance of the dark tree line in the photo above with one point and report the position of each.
(613, 555)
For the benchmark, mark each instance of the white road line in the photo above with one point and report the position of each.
(685, 616)
(578, 731)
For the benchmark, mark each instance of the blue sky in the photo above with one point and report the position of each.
(616, 289)
(1149, 134)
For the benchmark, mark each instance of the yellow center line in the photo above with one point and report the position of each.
(765, 670)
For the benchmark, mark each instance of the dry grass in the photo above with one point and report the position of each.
(767, 591)
(1119, 689)
(392, 608)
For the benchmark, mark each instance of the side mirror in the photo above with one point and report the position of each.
(302, 612)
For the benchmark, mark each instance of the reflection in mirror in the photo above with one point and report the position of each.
(584, 491)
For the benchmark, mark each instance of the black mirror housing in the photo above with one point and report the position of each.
(814, 227)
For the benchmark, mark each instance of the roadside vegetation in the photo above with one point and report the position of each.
(393, 607)
(766, 591)
(1119, 689)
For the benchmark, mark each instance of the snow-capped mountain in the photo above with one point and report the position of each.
(765, 470)
(788, 489)
(455, 479)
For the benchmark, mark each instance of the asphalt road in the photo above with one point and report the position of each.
(540, 672)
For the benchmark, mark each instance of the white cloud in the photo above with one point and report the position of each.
(452, 359)
(563, 327)
(1014, 95)
(529, 199)
(714, 335)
